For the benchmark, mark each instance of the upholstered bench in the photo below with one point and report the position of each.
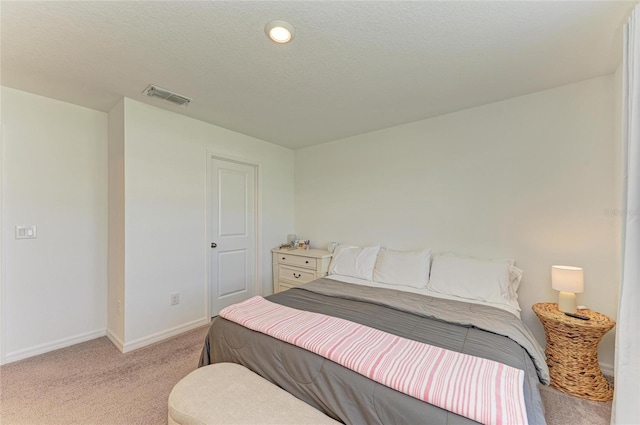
(227, 393)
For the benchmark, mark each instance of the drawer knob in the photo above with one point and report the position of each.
(296, 275)
(283, 258)
(306, 262)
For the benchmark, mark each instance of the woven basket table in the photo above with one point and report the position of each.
(572, 351)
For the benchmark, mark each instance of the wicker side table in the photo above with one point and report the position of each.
(572, 351)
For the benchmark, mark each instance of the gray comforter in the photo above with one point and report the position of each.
(351, 398)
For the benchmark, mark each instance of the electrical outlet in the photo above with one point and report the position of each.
(175, 299)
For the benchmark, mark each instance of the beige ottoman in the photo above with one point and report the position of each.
(227, 393)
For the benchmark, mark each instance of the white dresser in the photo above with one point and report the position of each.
(298, 266)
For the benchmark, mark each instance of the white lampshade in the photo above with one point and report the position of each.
(567, 279)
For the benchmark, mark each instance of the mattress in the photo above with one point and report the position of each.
(354, 399)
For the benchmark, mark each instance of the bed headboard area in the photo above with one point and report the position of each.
(532, 178)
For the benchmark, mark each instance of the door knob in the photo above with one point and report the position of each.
(214, 245)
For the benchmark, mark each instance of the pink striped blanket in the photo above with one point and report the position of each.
(482, 390)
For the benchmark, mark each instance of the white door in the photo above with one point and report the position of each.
(233, 233)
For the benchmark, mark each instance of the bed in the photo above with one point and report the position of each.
(476, 329)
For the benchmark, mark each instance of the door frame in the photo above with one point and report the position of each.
(3, 244)
(257, 166)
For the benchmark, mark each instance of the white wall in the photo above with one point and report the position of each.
(153, 200)
(527, 178)
(166, 246)
(55, 177)
(116, 264)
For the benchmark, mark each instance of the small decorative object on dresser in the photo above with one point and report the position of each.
(572, 351)
(298, 266)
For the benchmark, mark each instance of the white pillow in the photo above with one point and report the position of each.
(515, 277)
(471, 278)
(403, 268)
(354, 261)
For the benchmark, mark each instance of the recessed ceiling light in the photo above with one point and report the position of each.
(279, 31)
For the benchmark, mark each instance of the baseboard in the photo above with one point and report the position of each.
(115, 340)
(159, 336)
(54, 345)
(607, 369)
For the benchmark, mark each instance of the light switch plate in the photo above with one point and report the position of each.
(21, 232)
(26, 232)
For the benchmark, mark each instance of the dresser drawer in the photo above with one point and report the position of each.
(284, 285)
(293, 268)
(296, 260)
(295, 276)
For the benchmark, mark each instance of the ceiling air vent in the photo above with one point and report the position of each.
(175, 98)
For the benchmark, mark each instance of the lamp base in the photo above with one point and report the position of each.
(567, 302)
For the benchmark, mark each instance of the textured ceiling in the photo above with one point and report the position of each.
(353, 67)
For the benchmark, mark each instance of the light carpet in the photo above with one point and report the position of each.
(93, 383)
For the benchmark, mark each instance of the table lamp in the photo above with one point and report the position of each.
(569, 281)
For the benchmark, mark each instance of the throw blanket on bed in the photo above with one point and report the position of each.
(483, 317)
(480, 389)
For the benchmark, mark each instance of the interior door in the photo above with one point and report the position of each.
(233, 233)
